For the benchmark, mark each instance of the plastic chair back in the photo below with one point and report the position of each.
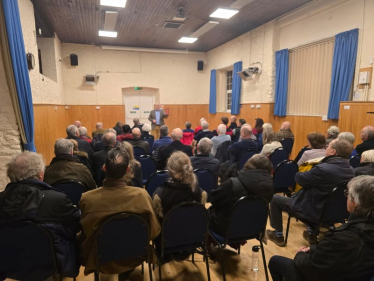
(148, 165)
(150, 142)
(156, 180)
(335, 208)
(122, 236)
(243, 158)
(138, 151)
(287, 144)
(185, 227)
(284, 176)
(73, 189)
(280, 154)
(26, 252)
(355, 161)
(207, 180)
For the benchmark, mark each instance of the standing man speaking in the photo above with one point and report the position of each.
(157, 116)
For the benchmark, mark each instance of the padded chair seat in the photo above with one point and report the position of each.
(221, 239)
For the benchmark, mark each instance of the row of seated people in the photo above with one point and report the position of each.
(346, 253)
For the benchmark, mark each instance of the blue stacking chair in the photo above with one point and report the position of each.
(73, 189)
(156, 180)
(334, 211)
(280, 154)
(27, 252)
(301, 152)
(284, 176)
(207, 180)
(184, 228)
(150, 141)
(148, 165)
(138, 151)
(355, 161)
(247, 221)
(123, 236)
(287, 144)
(243, 158)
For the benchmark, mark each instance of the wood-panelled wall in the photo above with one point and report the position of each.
(51, 121)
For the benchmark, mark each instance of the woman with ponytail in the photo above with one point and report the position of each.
(134, 175)
(182, 185)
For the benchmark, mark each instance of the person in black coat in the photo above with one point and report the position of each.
(138, 142)
(317, 184)
(203, 159)
(255, 179)
(236, 149)
(27, 197)
(346, 253)
(367, 164)
(367, 137)
(204, 133)
(176, 145)
(83, 145)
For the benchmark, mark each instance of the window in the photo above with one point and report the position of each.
(228, 89)
(309, 78)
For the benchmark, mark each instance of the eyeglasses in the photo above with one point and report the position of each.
(346, 192)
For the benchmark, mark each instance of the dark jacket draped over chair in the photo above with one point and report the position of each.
(205, 161)
(365, 168)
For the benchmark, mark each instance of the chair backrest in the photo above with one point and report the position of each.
(280, 154)
(355, 161)
(184, 227)
(248, 219)
(148, 165)
(221, 153)
(243, 158)
(26, 252)
(284, 175)
(287, 144)
(150, 142)
(156, 180)
(138, 151)
(335, 207)
(301, 152)
(207, 180)
(73, 189)
(122, 236)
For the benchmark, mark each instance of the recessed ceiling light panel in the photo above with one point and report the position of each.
(113, 3)
(223, 13)
(189, 40)
(105, 33)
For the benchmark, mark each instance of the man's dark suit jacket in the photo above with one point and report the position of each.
(166, 151)
(98, 162)
(140, 143)
(84, 145)
(366, 145)
(203, 134)
(238, 148)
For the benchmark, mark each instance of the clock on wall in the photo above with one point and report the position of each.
(30, 61)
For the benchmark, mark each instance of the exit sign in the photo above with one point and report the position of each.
(138, 88)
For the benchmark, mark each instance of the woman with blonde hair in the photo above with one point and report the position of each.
(367, 164)
(182, 185)
(134, 175)
(270, 141)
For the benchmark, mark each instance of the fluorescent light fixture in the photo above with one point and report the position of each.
(150, 50)
(113, 3)
(224, 13)
(189, 40)
(204, 29)
(105, 33)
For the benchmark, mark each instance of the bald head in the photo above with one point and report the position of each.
(246, 131)
(99, 125)
(77, 123)
(367, 133)
(286, 125)
(136, 133)
(176, 134)
(232, 119)
(221, 130)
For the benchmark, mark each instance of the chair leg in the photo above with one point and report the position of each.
(288, 228)
(143, 268)
(264, 260)
(96, 276)
(222, 262)
(159, 269)
(206, 262)
(239, 250)
(74, 279)
(150, 271)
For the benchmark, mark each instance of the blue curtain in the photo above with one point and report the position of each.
(213, 92)
(236, 88)
(343, 67)
(20, 71)
(281, 82)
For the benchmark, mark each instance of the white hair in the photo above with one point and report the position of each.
(204, 125)
(82, 131)
(63, 146)
(347, 136)
(205, 145)
(333, 131)
(26, 165)
(221, 129)
(146, 128)
(71, 130)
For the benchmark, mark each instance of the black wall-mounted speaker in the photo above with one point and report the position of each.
(200, 65)
(73, 59)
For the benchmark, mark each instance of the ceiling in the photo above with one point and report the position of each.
(140, 23)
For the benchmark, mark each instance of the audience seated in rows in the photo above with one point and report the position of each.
(331, 134)
(222, 137)
(367, 164)
(233, 124)
(182, 185)
(109, 140)
(316, 184)
(255, 179)
(270, 142)
(346, 253)
(73, 133)
(138, 142)
(198, 128)
(114, 197)
(100, 145)
(65, 166)
(176, 145)
(81, 156)
(367, 137)
(188, 134)
(137, 124)
(99, 129)
(134, 175)
(164, 138)
(126, 135)
(204, 132)
(27, 197)
(317, 142)
(203, 159)
(285, 131)
(83, 134)
(145, 132)
(118, 127)
(236, 131)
